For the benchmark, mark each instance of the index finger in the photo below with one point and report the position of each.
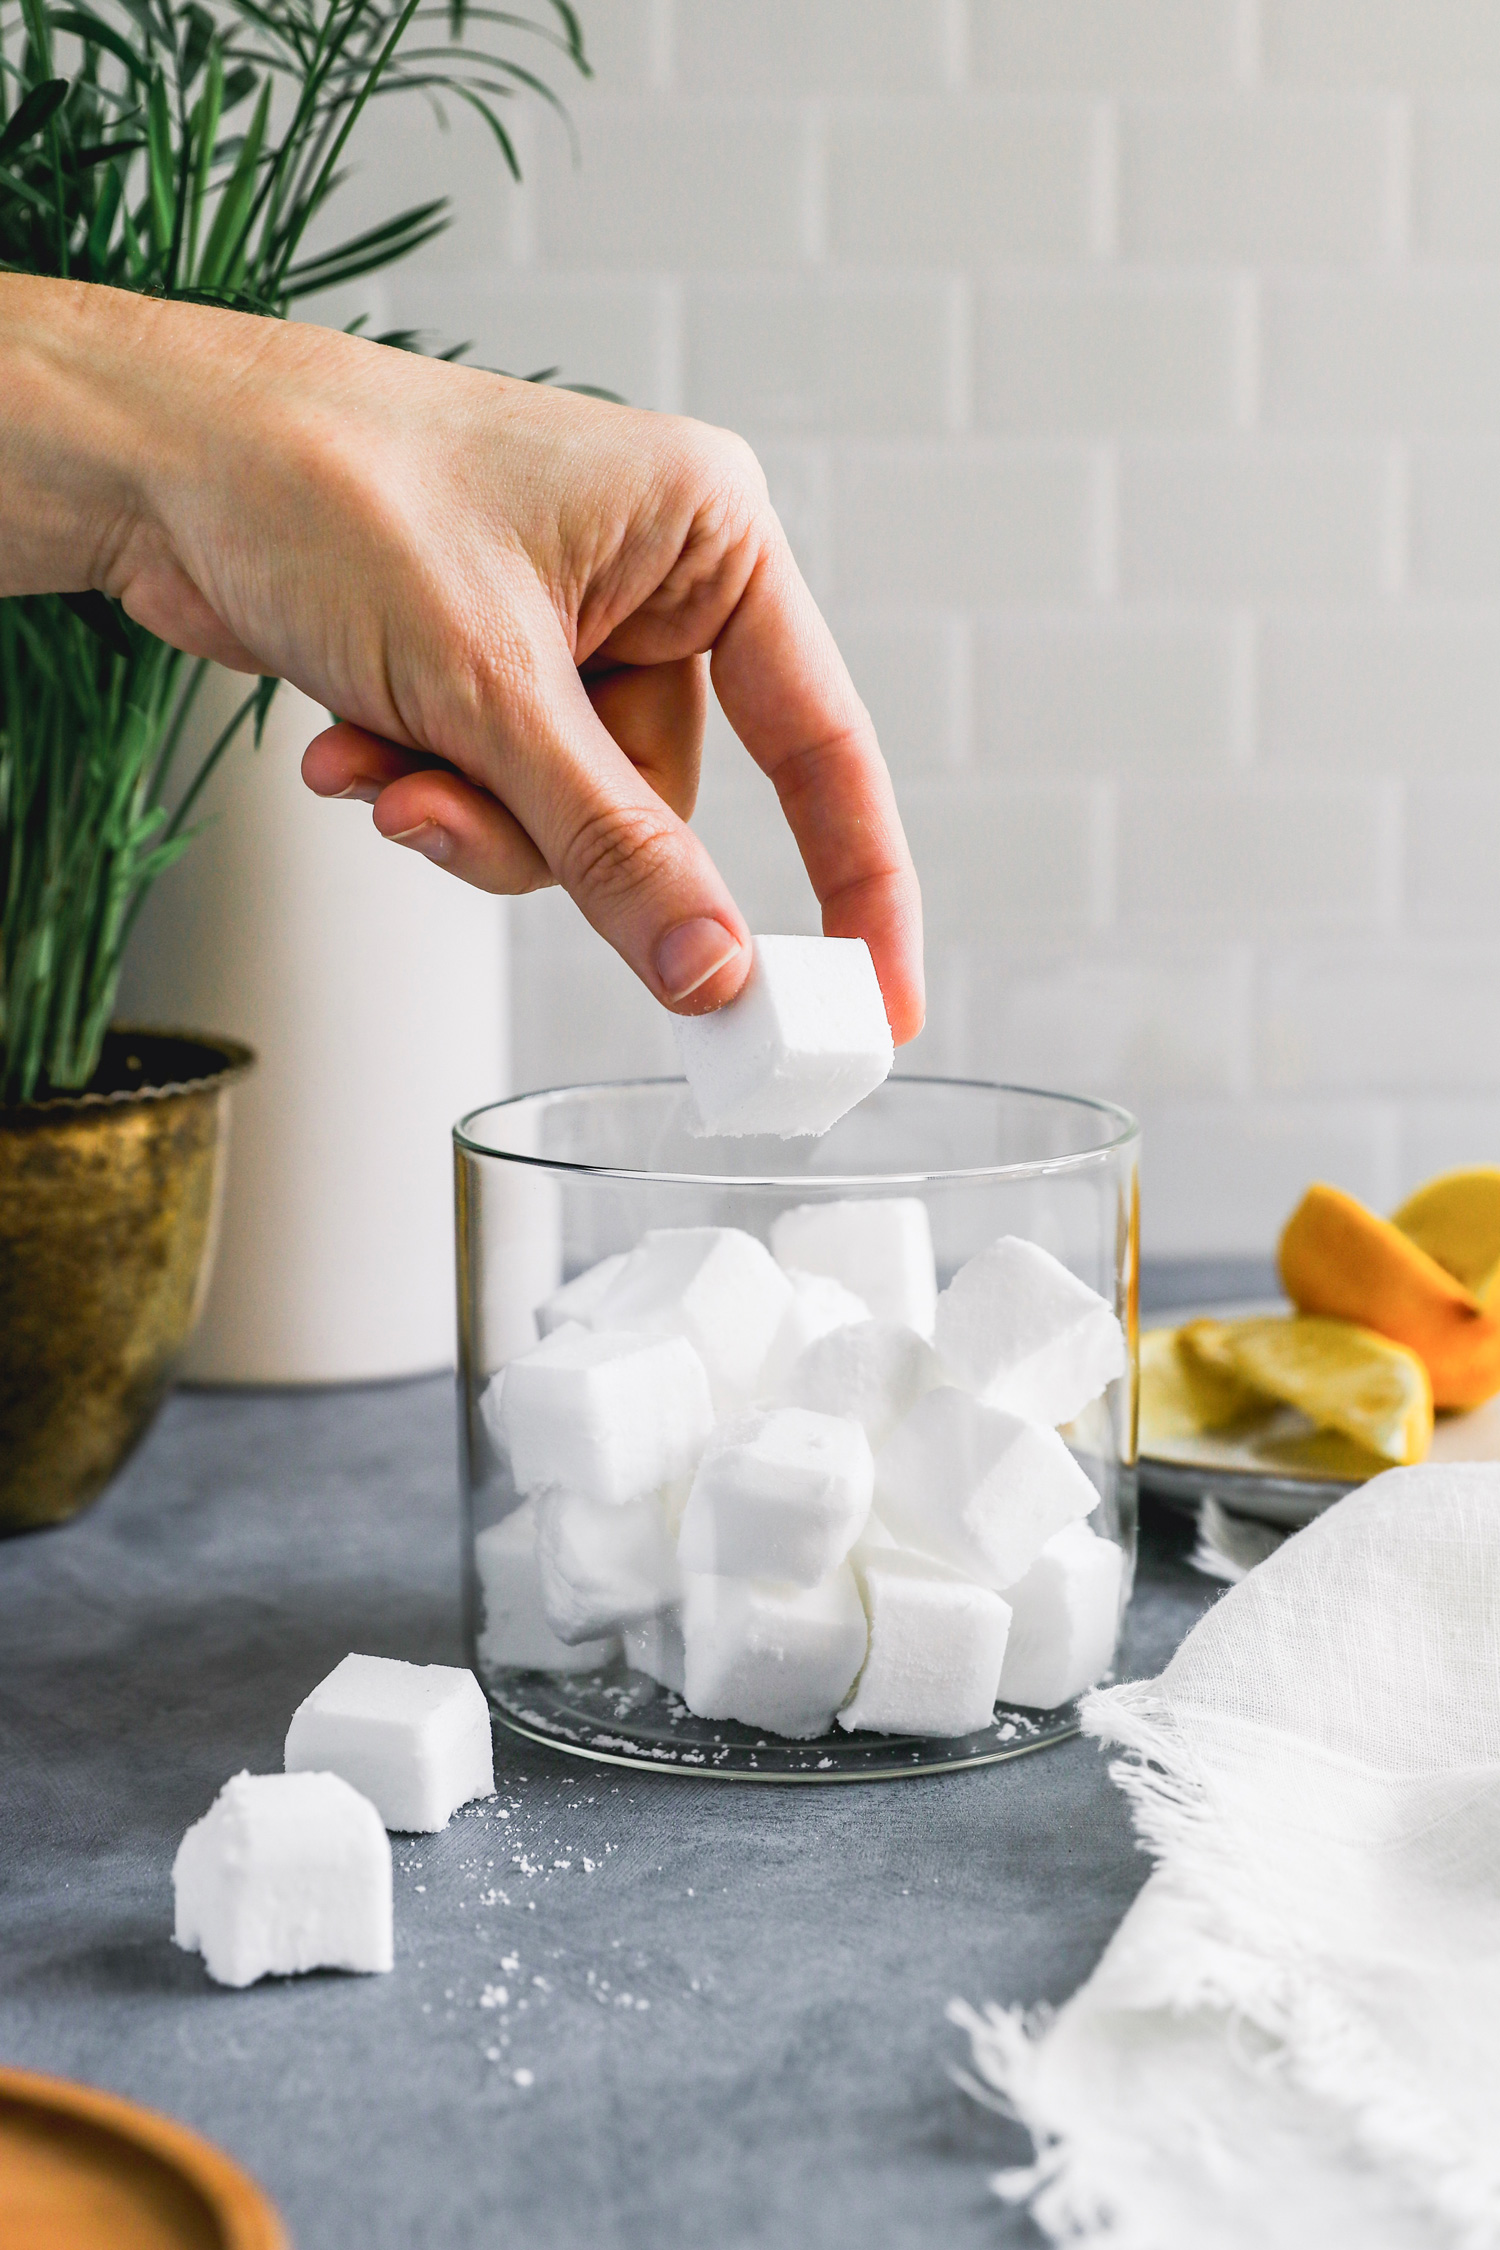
(786, 692)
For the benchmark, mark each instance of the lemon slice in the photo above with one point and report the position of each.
(1456, 1220)
(1340, 1376)
(1183, 1396)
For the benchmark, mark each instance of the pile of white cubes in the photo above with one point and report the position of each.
(798, 1486)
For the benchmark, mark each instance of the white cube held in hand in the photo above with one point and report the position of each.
(580, 1298)
(937, 1642)
(1020, 1331)
(413, 1738)
(1066, 1616)
(802, 1041)
(779, 1657)
(820, 1306)
(874, 1373)
(980, 1489)
(603, 1567)
(654, 1646)
(780, 1494)
(285, 1872)
(515, 1631)
(880, 1248)
(716, 1287)
(609, 1416)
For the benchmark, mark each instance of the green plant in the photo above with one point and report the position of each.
(182, 151)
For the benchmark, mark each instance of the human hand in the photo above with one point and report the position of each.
(508, 593)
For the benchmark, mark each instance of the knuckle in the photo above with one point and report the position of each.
(617, 852)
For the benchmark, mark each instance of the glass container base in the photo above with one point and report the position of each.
(621, 1718)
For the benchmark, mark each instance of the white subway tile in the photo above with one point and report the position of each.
(1279, 178)
(1397, 43)
(1227, 1176)
(1105, 44)
(1453, 863)
(963, 523)
(1116, 354)
(1128, 1027)
(591, 329)
(912, 675)
(1394, 693)
(577, 1012)
(1389, 1019)
(1456, 180)
(1114, 691)
(1445, 1137)
(789, 47)
(666, 183)
(797, 479)
(1014, 861)
(830, 353)
(1416, 354)
(1260, 854)
(1455, 520)
(955, 184)
(1216, 522)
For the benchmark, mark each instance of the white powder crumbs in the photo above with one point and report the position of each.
(524, 2077)
(510, 1963)
(494, 1996)
(541, 1984)
(421, 1886)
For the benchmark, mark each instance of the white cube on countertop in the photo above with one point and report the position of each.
(1066, 1617)
(937, 1642)
(716, 1287)
(654, 1646)
(878, 1246)
(804, 1040)
(874, 1373)
(578, 1299)
(779, 1657)
(820, 1306)
(413, 1738)
(610, 1415)
(980, 1489)
(604, 1567)
(284, 1873)
(780, 1494)
(1021, 1332)
(515, 1632)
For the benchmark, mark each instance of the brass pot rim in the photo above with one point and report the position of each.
(236, 1060)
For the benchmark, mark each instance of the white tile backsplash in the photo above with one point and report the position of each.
(1127, 376)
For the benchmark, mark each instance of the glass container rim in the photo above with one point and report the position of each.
(1126, 1135)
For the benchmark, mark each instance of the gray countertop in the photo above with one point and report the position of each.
(723, 2021)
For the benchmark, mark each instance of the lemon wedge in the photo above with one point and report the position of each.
(1456, 1220)
(1340, 1376)
(1183, 1395)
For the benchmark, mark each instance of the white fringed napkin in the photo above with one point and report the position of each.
(1293, 2040)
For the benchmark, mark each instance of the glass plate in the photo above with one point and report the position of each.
(1248, 1473)
(623, 1719)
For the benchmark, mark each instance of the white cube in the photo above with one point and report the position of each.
(718, 1288)
(580, 1298)
(654, 1646)
(608, 1415)
(515, 1632)
(820, 1306)
(779, 1657)
(979, 1488)
(780, 1493)
(1067, 1615)
(803, 1040)
(873, 1373)
(1020, 1331)
(937, 1642)
(285, 1872)
(604, 1567)
(413, 1738)
(880, 1247)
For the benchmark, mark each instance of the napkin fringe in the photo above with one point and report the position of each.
(1235, 1953)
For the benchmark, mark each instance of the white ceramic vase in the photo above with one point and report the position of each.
(374, 989)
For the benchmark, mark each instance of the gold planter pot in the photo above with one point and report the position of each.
(109, 1204)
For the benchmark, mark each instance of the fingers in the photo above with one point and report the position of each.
(428, 809)
(786, 693)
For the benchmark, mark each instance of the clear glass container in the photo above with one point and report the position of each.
(550, 1184)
